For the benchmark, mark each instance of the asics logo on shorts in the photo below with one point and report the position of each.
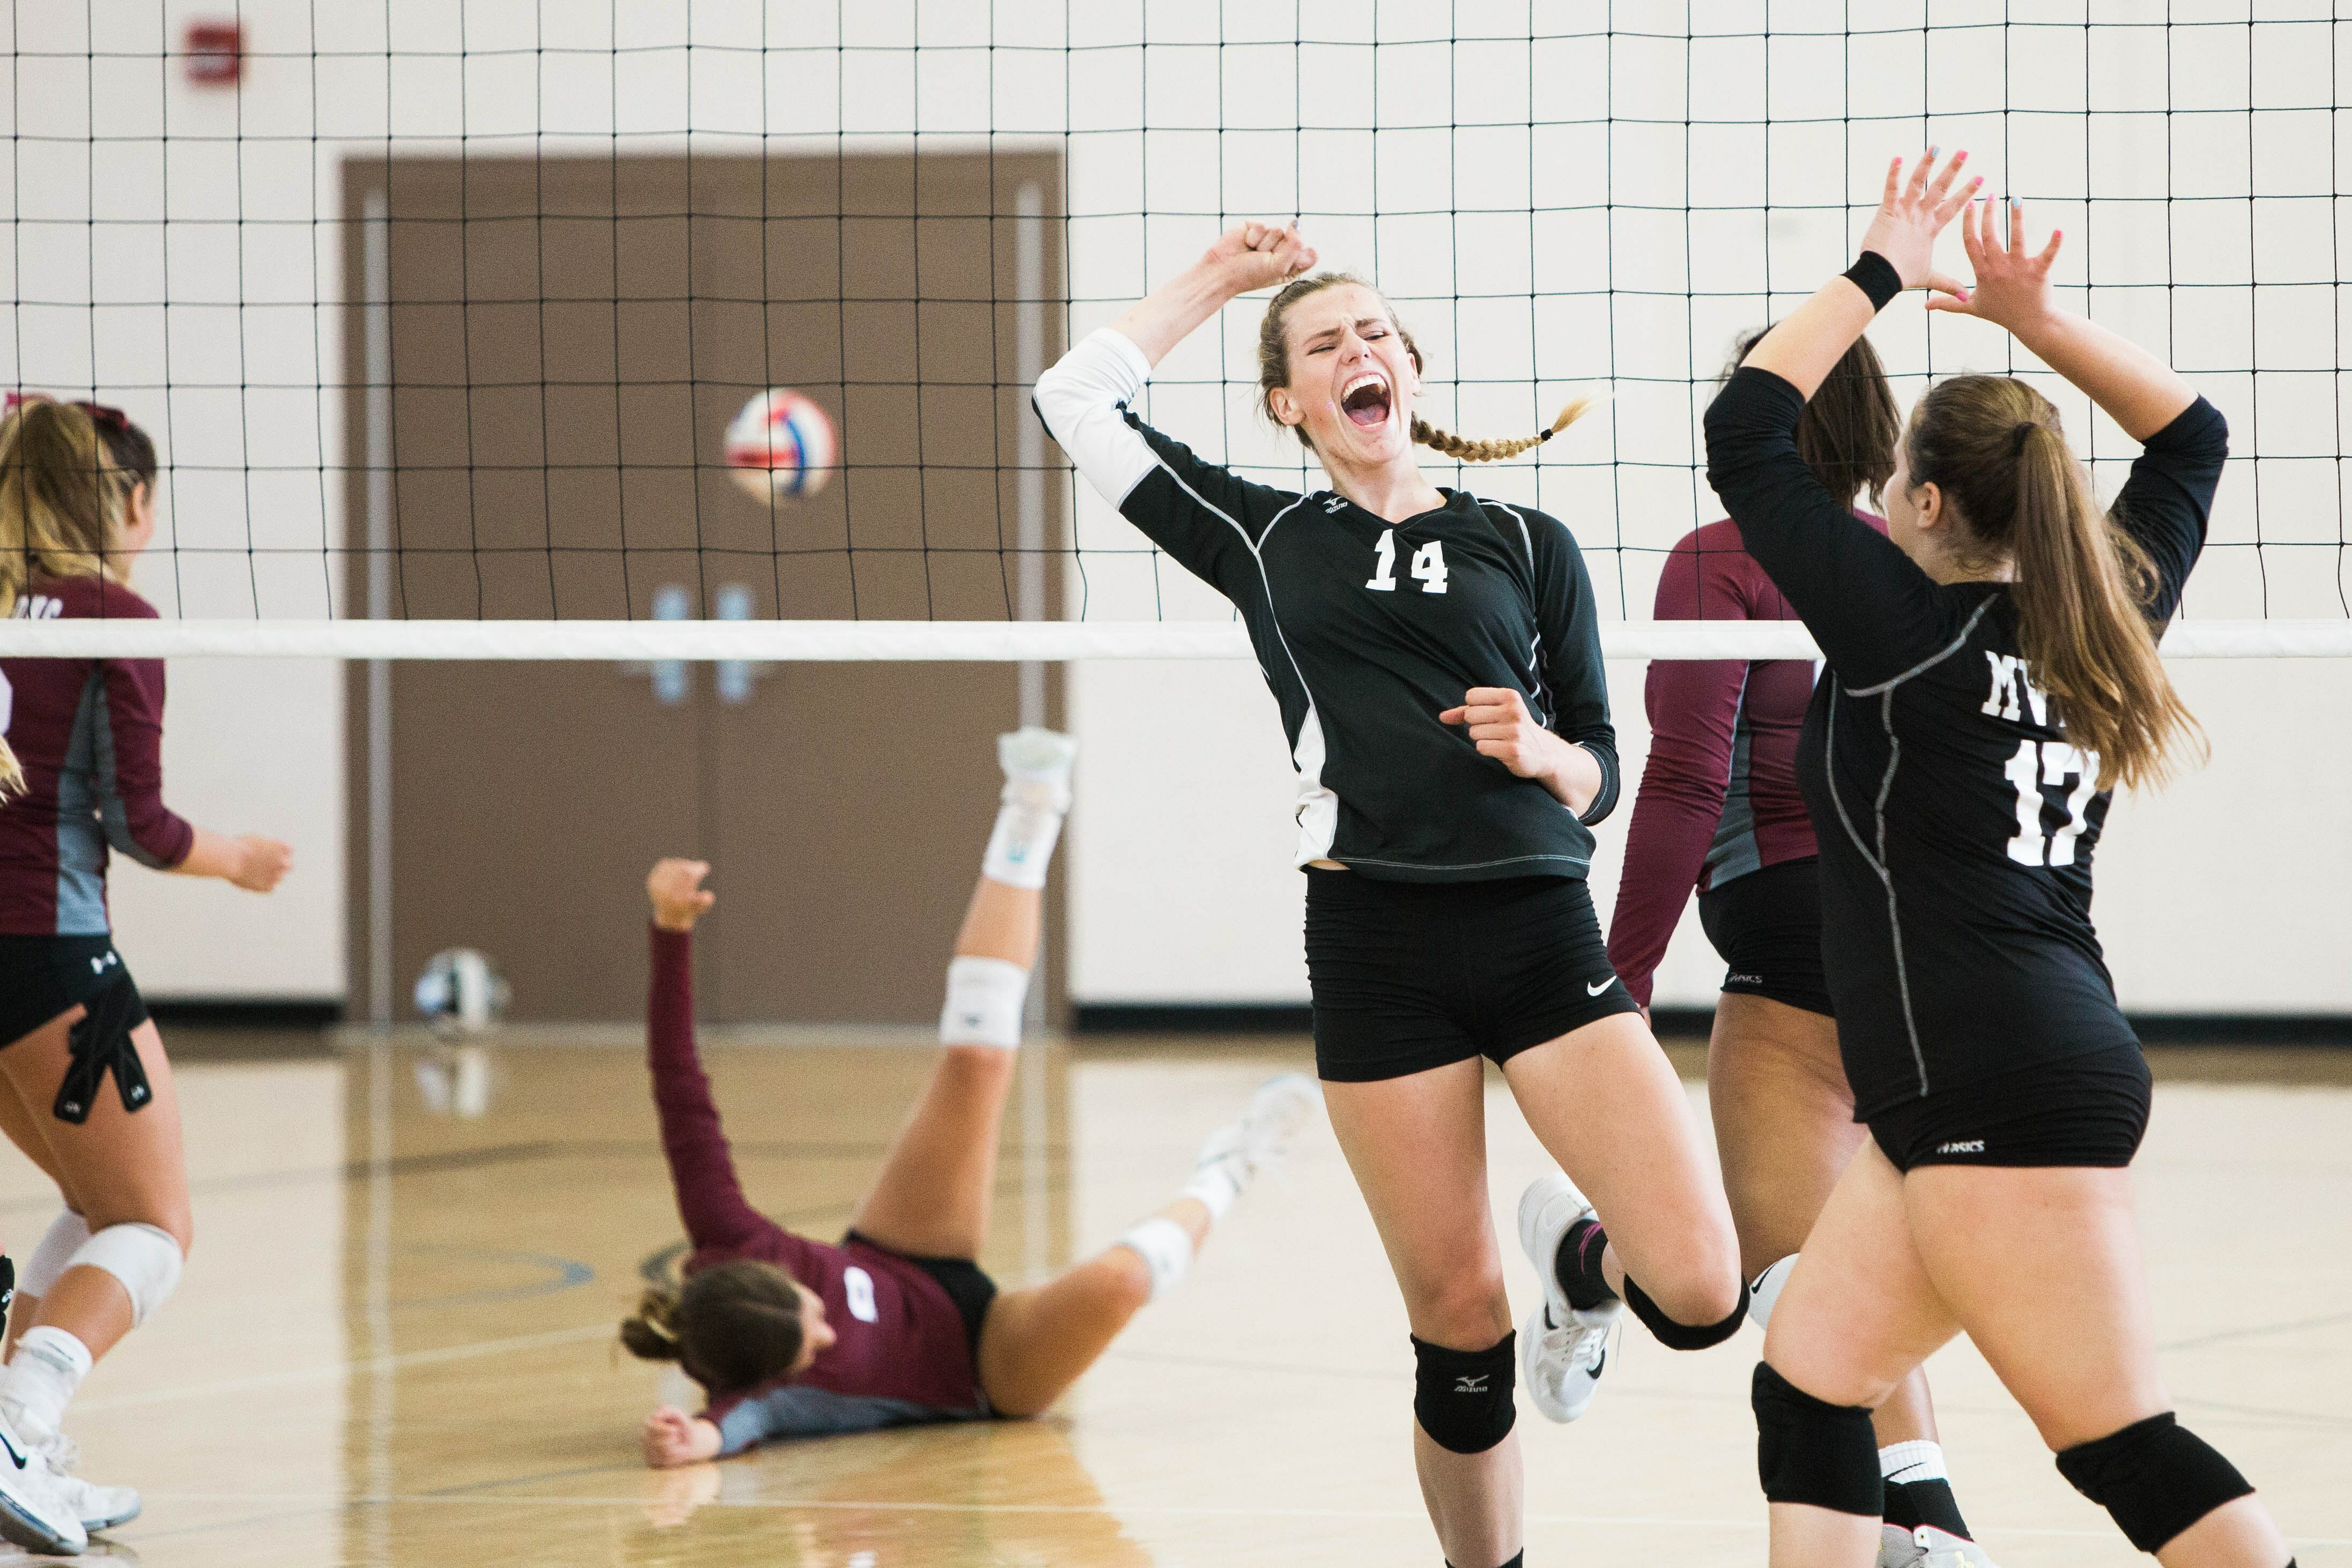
(1470, 1385)
(1595, 990)
(1968, 1147)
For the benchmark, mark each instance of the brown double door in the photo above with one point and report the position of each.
(565, 342)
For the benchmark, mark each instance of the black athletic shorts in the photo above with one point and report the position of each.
(41, 977)
(1766, 926)
(1408, 975)
(2085, 1111)
(971, 1290)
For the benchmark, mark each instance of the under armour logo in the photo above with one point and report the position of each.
(1468, 1385)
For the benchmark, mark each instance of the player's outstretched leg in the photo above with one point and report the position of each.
(933, 1195)
(1037, 1342)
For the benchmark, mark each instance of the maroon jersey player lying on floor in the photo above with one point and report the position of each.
(895, 1324)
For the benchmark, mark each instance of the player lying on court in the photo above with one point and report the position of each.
(795, 1338)
(1991, 675)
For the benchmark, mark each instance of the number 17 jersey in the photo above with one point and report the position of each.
(1957, 821)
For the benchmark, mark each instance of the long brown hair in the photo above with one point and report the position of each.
(1849, 429)
(1274, 371)
(733, 1326)
(1996, 448)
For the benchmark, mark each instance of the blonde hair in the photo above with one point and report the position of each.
(1274, 371)
(1998, 450)
(62, 496)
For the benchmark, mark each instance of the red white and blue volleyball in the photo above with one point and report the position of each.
(780, 447)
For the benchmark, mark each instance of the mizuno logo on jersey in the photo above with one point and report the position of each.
(1469, 1385)
(1335, 505)
(1970, 1146)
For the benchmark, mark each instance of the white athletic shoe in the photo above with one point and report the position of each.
(99, 1508)
(1562, 1350)
(1256, 1144)
(35, 1514)
(1927, 1547)
(1037, 764)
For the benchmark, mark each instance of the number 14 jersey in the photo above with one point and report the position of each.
(1957, 822)
(1365, 631)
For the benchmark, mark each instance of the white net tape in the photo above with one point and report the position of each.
(769, 641)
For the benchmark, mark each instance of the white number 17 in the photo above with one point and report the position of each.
(2050, 762)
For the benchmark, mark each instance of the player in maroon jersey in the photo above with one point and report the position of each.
(1718, 810)
(77, 507)
(896, 1324)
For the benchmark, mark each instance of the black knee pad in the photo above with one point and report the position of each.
(2156, 1477)
(1683, 1336)
(1463, 1397)
(1812, 1452)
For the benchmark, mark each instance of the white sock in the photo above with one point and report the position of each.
(1166, 1248)
(40, 1380)
(1028, 825)
(1919, 1459)
(1220, 1176)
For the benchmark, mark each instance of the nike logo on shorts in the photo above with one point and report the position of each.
(1596, 990)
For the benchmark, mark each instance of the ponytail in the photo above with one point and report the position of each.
(650, 1333)
(2083, 585)
(1463, 451)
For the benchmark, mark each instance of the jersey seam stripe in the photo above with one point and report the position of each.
(1462, 865)
(1534, 653)
(1967, 630)
(1273, 616)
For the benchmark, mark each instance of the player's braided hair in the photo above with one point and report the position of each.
(733, 1326)
(1996, 449)
(1274, 371)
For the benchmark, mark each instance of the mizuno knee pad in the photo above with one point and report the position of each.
(1683, 1337)
(2156, 1477)
(984, 1001)
(1812, 1452)
(1463, 1397)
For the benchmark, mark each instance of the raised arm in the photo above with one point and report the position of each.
(710, 1198)
(1251, 255)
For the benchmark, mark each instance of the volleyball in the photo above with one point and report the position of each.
(781, 446)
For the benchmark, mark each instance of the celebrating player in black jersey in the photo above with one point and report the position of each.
(1437, 663)
(1992, 672)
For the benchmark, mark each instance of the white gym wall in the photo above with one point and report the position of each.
(2221, 895)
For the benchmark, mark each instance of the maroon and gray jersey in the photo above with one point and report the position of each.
(901, 1357)
(89, 734)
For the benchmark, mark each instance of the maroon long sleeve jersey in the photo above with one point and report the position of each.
(1719, 796)
(89, 734)
(901, 1355)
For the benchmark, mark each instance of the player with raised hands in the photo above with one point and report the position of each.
(1992, 674)
(1437, 660)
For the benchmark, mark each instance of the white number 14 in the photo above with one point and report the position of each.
(2050, 762)
(1428, 565)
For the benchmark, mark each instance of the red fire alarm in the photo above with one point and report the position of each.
(215, 52)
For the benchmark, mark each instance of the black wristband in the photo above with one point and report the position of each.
(1876, 275)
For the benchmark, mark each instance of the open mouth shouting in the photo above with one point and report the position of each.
(1366, 400)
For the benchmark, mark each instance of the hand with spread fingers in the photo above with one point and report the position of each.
(1911, 214)
(2013, 287)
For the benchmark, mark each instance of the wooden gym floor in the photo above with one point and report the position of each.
(394, 1344)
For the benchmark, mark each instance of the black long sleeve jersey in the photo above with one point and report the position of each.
(1957, 823)
(1365, 631)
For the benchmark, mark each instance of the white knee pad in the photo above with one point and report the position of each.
(66, 1236)
(985, 996)
(1166, 1248)
(144, 1256)
(1766, 1291)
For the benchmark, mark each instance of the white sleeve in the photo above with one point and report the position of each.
(1079, 400)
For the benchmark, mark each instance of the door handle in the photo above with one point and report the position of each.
(735, 676)
(673, 679)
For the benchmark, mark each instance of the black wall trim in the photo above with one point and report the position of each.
(245, 1013)
(1685, 1023)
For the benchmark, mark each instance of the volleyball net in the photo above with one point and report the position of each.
(446, 321)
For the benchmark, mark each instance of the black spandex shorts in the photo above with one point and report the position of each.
(1766, 926)
(1408, 975)
(971, 1290)
(2085, 1111)
(41, 977)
